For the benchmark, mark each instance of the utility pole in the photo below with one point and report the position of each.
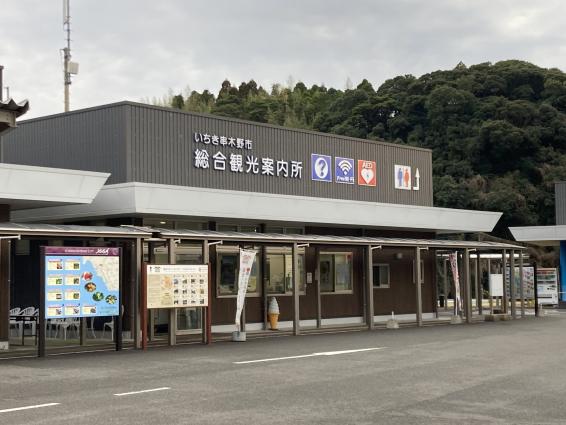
(69, 68)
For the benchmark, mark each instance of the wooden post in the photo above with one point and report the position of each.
(369, 287)
(295, 270)
(172, 259)
(417, 278)
(468, 286)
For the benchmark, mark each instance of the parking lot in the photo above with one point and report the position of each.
(486, 373)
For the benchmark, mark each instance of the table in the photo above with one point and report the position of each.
(24, 320)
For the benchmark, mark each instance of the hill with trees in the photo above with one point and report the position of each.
(497, 131)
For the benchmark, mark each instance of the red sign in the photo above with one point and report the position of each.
(367, 173)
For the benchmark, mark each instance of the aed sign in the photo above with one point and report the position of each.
(320, 167)
(367, 173)
(344, 170)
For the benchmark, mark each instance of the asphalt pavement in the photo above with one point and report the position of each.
(487, 373)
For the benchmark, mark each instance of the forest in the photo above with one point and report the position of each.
(497, 131)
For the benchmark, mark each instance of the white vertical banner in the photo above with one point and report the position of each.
(453, 258)
(246, 262)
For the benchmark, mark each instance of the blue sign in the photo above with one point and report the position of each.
(81, 282)
(344, 170)
(321, 167)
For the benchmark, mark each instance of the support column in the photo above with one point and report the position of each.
(521, 285)
(296, 315)
(477, 281)
(512, 284)
(479, 287)
(317, 280)
(489, 285)
(172, 259)
(504, 305)
(369, 287)
(562, 271)
(468, 285)
(137, 253)
(5, 294)
(263, 283)
(206, 316)
(445, 275)
(417, 279)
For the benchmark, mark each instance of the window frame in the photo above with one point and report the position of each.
(231, 251)
(334, 291)
(285, 252)
(388, 286)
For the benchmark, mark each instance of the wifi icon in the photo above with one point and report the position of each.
(344, 170)
(345, 166)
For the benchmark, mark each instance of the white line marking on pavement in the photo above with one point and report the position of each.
(302, 356)
(143, 391)
(37, 406)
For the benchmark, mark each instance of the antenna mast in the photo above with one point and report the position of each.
(69, 68)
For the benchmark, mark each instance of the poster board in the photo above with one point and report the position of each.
(528, 282)
(176, 285)
(495, 285)
(81, 282)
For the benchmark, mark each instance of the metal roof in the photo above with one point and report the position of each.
(18, 108)
(330, 240)
(59, 230)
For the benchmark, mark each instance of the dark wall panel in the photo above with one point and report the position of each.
(163, 151)
(91, 139)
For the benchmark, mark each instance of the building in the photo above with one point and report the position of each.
(354, 217)
(550, 236)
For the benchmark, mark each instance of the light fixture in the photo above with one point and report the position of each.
(398, 255)
(162, 222)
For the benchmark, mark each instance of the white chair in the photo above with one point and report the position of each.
(30, 312)
(17, 324)
(109, 325)
(91, 326)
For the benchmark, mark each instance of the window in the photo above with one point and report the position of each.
(381, 276)
(336, 272)
(237, 228)
(279, 272)
(227, 270)
(286, 230)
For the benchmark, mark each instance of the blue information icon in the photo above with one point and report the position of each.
(344, 170)
(321, 167)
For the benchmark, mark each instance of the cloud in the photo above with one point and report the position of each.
(139, 49)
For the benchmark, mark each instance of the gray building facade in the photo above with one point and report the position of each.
(148, 144)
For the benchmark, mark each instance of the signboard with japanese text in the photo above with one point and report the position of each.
(177, 285)
(81, 282)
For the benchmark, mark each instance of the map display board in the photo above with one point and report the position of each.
(177, 285)
(81, 282)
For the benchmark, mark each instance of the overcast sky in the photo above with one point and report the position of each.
(135, 49)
